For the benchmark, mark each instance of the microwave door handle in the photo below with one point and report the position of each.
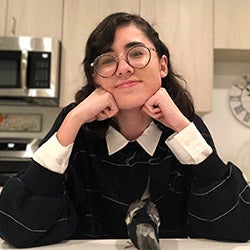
(24, 63)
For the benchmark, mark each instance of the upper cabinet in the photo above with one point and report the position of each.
(39, 18)
(186, 27)
(80, 18)
(231, 24)
(3, 4)
(231, 30)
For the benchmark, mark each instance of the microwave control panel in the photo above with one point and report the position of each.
(38, 75)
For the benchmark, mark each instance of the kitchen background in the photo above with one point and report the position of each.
(209, 41)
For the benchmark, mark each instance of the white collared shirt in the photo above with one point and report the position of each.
(188, 146)
(148, 140)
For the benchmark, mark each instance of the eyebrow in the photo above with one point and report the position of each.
(131, 44)
(127, 46)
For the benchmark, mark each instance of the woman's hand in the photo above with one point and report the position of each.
(99, 105)
(162, 108)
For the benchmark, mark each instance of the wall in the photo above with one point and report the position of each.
(231, 138)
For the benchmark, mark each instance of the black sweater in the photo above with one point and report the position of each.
(208, 200)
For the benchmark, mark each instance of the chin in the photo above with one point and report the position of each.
(130, 104)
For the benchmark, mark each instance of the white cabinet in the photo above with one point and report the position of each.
(80, 18)
(186, 27)
(231, 24)
(39, 18)
(3, 9)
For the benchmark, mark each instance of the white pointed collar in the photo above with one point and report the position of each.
(148, 140)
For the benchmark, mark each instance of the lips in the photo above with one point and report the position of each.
(127, 84)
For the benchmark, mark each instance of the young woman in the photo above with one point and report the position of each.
(132, 127)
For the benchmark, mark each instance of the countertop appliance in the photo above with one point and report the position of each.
(29, 70)
(15, 155)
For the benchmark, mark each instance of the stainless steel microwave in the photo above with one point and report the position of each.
(29, 70)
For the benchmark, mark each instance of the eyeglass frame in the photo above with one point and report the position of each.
(117, 58)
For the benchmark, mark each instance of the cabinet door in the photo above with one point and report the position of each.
(3, 9)
(231, 24)
(39, 18)
(80, 18)
(186, 28)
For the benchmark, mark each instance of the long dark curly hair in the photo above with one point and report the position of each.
(101, 39)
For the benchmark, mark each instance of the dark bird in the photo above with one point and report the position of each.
(143, 225)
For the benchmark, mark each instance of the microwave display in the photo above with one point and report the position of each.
(10, 69)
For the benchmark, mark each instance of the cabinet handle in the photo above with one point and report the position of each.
(13, 28)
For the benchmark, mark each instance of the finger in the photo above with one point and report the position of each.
(101, 117)
(155, 115)
(152, 109)
(106, 113)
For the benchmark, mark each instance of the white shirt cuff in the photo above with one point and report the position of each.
(53, 156)
(189, 146)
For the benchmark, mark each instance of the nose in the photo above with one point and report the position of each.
(123, 67)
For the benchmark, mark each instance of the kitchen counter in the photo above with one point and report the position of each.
(166, 244)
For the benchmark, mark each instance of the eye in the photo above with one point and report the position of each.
(106, 60)
(137, 53)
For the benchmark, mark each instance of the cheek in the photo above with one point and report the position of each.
(154, 73)
(101, 82)
(153, 82)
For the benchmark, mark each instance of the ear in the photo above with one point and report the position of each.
(164, 66)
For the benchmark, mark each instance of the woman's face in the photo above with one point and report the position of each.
(131, 87)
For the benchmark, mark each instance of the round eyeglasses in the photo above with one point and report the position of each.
(137, 57)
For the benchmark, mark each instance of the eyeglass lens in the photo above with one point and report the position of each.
(137, 57)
